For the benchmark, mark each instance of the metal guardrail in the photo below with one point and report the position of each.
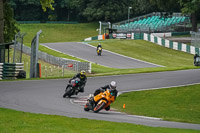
(62, 62)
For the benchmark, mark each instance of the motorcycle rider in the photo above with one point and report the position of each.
(195, 56)
(99, 46)
(112, 87)
(83, 79)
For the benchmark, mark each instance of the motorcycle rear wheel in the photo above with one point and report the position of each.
(99, 107)
(86, 107)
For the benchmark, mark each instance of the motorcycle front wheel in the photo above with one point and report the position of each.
(99, 107)
(67, 92)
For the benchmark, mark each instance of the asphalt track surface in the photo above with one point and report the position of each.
(88, 52)
(45, 96)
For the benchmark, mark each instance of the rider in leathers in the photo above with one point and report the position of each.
(99, 45)
(195, 56)
(112, 87)
(83, 80)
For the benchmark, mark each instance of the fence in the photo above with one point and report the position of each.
(17, 55)
(171, 44)
(195, 39)
(62, 62)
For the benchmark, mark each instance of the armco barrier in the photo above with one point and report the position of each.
(1, 71)
(11, 70)
(170, 44)
(62, 62)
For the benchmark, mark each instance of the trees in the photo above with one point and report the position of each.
(47, 4)
(8, 24)
(1, 22)
(186, 6)
(193, 7)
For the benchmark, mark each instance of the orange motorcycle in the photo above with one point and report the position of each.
(102, 101)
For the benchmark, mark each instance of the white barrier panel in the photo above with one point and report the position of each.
(184, 47)
(145, 36)
(100, 37)
(88, 39)
(175, 45)
(152, 38)
(159, 40)
(192, 49)
(132, 37)
(168, 34)
(167, 43)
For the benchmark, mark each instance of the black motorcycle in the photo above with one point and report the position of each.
(72, 88)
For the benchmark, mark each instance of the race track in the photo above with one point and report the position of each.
(45, 96)
(88, 52)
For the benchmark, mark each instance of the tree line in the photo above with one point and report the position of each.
(80, 10)
(91, 10)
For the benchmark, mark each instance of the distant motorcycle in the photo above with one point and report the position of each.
(72, 88)
(99, 51)
(197, 61)
(103, 100)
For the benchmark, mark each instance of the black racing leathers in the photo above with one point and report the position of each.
(195, 56)
(99, 46)
(83, 80)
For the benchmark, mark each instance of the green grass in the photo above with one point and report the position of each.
(149, 52)
(174, 104)
(151, 103)
(139, 49)
(21, 122)
(59, 32)
(47, 70)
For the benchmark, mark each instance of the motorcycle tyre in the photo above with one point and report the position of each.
(67, 92)
(86, 107)
(99, 108)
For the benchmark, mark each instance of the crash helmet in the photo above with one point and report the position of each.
(113, 85)
(99, 44)
(82, 74)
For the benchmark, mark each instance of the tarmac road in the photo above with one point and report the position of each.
(45, 96)
(88, 52)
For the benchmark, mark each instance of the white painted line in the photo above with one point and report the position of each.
(145, 117)
(113, 111)
(156, 88)
(79, 101)
(125, 56)
(72, 55)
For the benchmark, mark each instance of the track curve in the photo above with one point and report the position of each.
(45, 96)
(87, 52)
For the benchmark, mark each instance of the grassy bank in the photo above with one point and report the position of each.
(59, 32)
(21, 122)
(139, 49)
(174, 104)
(150, 52)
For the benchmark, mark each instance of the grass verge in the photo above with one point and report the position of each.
(174, 104)
(59, 32)
(139, 49)
(22, 122)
